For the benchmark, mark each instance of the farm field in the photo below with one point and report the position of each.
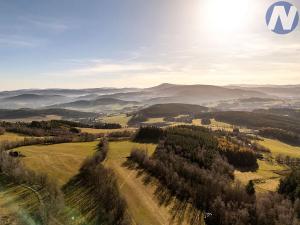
(11, 137)
(142, 205)
(60, 162)
(121, 119)
(278, 147)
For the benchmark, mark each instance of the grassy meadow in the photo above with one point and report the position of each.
(60, 162)
(278, 147)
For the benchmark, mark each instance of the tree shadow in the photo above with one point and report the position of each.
(181, 211)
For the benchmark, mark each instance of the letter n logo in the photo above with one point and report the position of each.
(282, 17)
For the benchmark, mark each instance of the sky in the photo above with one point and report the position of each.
(142, 43)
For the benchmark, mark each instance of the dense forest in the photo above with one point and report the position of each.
(166, 111)
(54, 128)
(189, 166)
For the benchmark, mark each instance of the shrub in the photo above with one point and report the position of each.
(2, 130)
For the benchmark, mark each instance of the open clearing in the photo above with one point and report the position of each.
(121, 119)
(142, 204)
(60, 162)
(278, 147)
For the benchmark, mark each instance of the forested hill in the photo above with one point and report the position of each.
(172, 109)
(26, 113)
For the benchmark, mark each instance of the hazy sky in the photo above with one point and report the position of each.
(96, 43)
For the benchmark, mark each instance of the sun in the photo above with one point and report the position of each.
(225, 16)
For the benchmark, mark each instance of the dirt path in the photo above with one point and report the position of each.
(142, 205)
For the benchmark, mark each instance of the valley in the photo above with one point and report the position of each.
(145, 153)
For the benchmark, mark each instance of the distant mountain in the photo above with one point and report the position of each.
(27, 113)
(94, 103)
(105, 99)
(287, 91)
(32, 97)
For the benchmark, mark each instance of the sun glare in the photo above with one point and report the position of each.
(225, 16)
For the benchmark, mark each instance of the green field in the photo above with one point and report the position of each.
(60, 162)
(278, 147)
(121, 119)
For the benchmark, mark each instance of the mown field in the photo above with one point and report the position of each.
(141, 205)
(60, 162)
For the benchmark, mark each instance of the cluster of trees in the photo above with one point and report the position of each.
(205, 121)
(189, 166)
(2, 130)
(149, 134)
(288, 160)
(53, 127)
(37, 129)
(8, 145)
(281, 135)
(237, 155)
(50, 196)
(123, 134)
(290, 185)
(105, 205)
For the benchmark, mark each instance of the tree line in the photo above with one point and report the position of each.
(281, 135)
(103, 205)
